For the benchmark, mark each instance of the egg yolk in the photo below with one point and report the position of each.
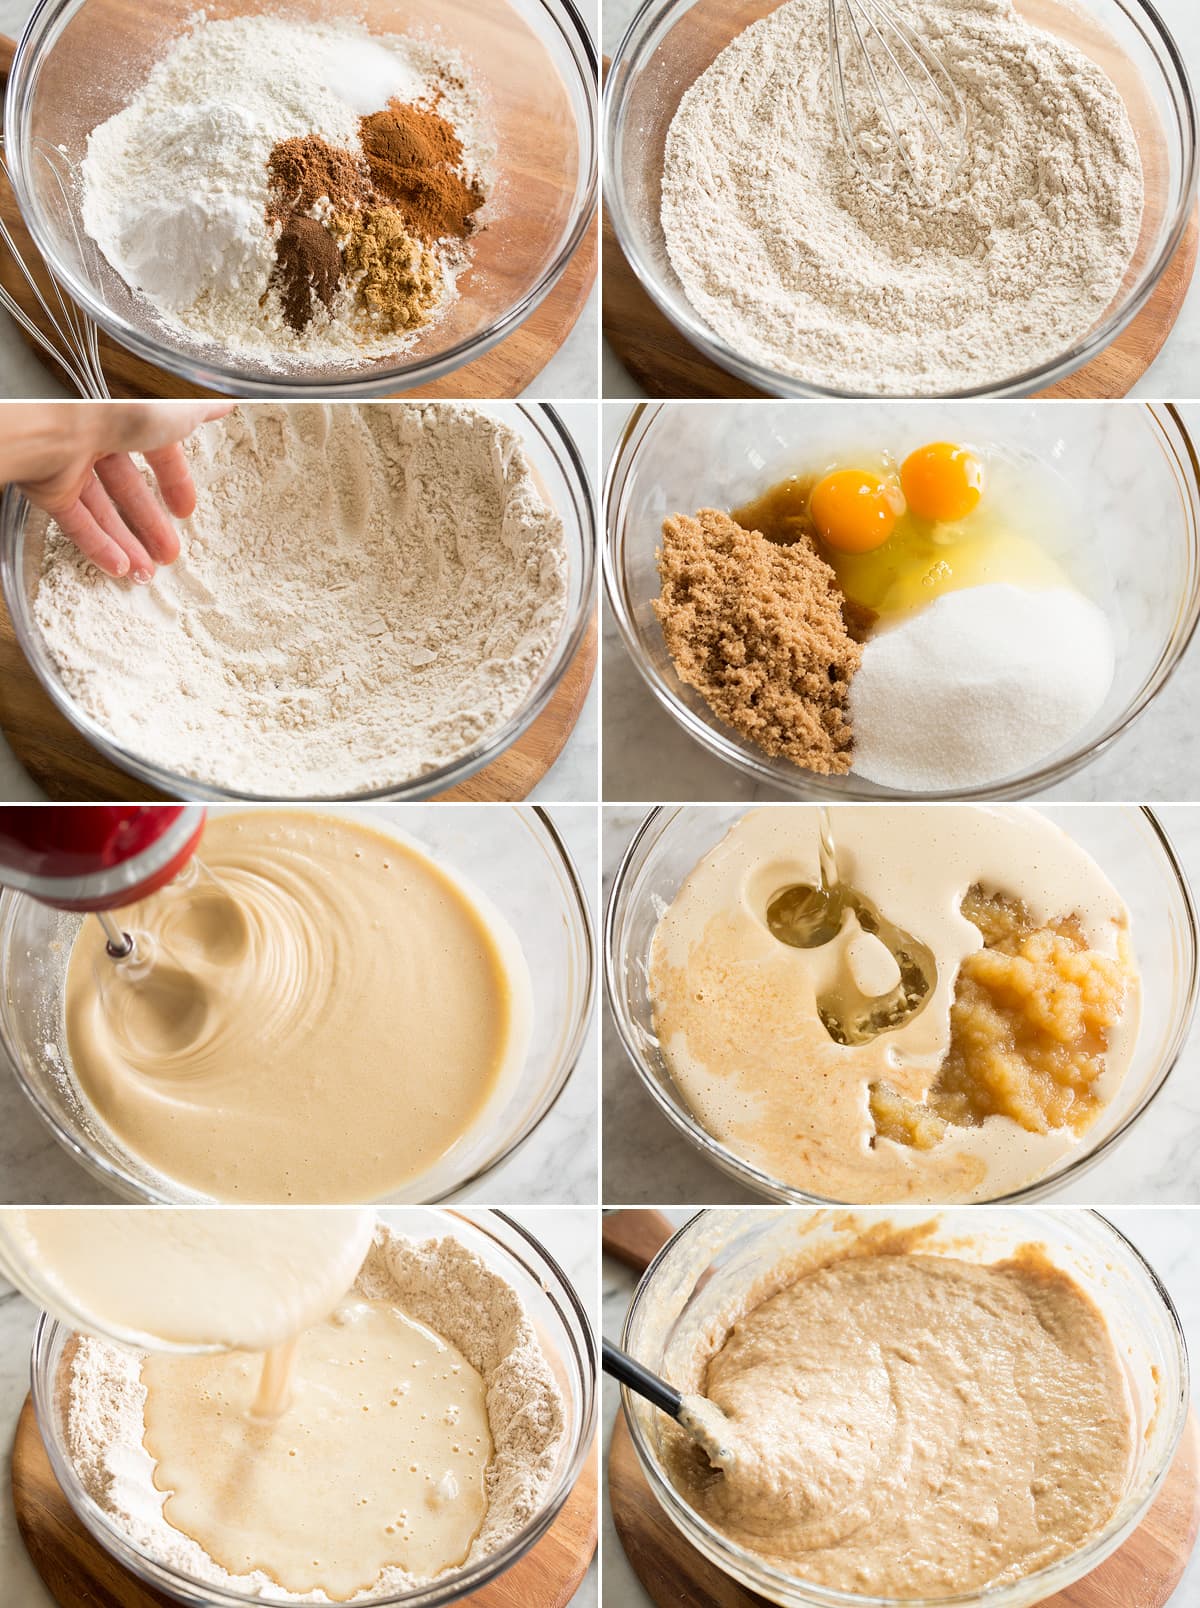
(942, 482)
(853, 511)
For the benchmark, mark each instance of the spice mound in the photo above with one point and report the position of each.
(321, 188)
(365, 592)
(422, 1434)
(911, 1426)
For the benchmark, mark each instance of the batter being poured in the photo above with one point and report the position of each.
(323, 1014)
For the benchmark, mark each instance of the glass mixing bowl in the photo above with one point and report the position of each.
(1131, 471)
(513, 855)
(719, 1253)
(1126, 841)
(564, 481)
(671, 42)
(563, 1329)
(80, 61)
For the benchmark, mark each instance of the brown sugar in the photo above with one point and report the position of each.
(759, 631)
(415, 159)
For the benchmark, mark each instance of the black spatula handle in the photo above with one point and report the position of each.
(640, 1380)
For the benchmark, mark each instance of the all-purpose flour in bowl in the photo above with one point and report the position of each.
(365, 593)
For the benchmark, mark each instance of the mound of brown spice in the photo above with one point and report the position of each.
(367, 222)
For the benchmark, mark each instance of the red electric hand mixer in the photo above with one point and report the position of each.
(96, 857)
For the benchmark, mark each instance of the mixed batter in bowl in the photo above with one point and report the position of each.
(325, 1006)
(918, 1406)
(948, 1027)
(415, 1424)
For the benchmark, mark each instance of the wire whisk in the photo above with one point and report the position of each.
(896, 105)
(76, 346)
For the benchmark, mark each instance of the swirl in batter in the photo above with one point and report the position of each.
(320, 1013)
(914, 1426)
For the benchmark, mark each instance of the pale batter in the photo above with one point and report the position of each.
(415, 1428)
(325, 1016)
(914, 1426)
(737, 1011)
(182, 1276)
(380, 1457)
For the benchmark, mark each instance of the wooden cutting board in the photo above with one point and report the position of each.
(70, 770)
(1142, 1574)
(79, 1573)
(505, 371)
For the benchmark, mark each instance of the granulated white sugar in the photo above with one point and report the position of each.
(979, 686)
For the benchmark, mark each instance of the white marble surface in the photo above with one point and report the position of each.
(645, 1162)
(574, 776)
(1173, 372)
(568, 1234)
(1166, 1238)
(571, 372)
(557, 1164)
(648, 756)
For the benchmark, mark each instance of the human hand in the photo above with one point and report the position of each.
(72, 460)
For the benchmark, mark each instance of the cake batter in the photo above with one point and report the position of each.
(742, 1016)
(378, 1459)
(320, 1014)
(914, 1426)
(182, 1276)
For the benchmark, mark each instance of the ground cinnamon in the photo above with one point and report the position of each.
(307, 170)
(415, 160)
(367, 220)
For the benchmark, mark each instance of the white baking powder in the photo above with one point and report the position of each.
(365, 592)
(799, 264)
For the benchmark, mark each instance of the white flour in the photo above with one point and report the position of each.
(186, 163)
(800, 265)
(439, 1283)
(365, 592)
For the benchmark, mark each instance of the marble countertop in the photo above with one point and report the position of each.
(574, 774)
(648, 756)
(568, 1234)
(555, 1166)
(645, 1162)
(1172, 374)
(1166, 1238)
(571, 372)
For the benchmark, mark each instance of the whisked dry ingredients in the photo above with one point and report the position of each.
(799, 264)
(439, 1283)
(365, 592)
(318, 186)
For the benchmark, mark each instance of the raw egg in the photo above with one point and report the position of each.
(942, 482)
(854, 511)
